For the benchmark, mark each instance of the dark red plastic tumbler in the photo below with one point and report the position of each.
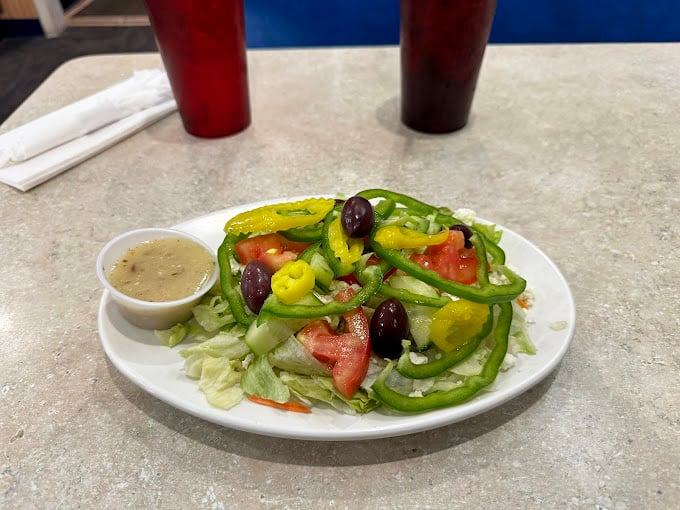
(442, 47)
(203, 47)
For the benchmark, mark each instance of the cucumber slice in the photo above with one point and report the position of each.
(412, 284)
(264, 337)
(419, 317)
(419, 320)
(322, 271)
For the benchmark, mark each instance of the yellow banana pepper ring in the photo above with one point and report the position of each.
(348, 250)
(396, 237)
(277, 217)
(293, 281)
(456, 322)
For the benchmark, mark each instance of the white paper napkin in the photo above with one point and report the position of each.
(45, 147)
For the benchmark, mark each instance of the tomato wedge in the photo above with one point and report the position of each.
(351, 368)
(273, 250)
(347, 354)
(318, 338)
(450, 259)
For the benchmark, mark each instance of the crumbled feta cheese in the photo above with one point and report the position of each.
(324, 298)
(497, 278)
(558, 325)
(247, 360)
(467, 216)
(337, 285)
(528, 297)
(508, 362)
(417, 358)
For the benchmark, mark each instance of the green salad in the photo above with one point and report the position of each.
(375, 301)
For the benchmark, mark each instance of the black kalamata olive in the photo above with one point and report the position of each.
(256, 284)
(357, 217)
(467, 233)
(389, 326)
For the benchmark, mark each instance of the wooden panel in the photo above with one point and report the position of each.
(17, 9)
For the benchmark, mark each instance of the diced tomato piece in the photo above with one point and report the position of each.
(450, 259)
(317, 337)
(273, 250)
(347, 354)
(422, 260)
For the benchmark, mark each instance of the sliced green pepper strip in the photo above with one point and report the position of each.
(496, 252)
(415, 205)
(486, 293)
(238, 308)
(311, 250)
(308, 234)
(470, 387)
(371, 278)
(482, 264)
(384, 208)
(406, 296)
(435, 367)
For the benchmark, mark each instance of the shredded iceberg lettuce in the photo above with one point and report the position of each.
(260, 380)
(213, 313)
(293, 357)
(173, 336)
(490, 231)
(321, 389)
(519, 341)
(219, 381)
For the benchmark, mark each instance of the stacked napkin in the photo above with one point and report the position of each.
(45, 147)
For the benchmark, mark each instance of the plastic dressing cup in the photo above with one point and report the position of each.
(151, 314)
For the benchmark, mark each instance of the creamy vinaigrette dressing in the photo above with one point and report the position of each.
(162, 270)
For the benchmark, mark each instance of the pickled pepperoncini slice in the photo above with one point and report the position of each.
(280, 217)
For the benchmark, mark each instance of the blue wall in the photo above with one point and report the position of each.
(277, 23)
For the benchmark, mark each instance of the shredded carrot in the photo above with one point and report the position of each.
(523, 303)
(286, 406)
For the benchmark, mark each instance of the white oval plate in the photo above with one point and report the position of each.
(158, 369)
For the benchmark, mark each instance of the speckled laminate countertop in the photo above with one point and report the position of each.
(574, 147)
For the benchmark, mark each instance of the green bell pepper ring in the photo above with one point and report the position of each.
(371, 278)
(470, 387)
(306, 255)
(307, 234)
(496, 252)
(413, 204)
(406, 296)
(435, 367)
(486, 293)
(384, 208)
(238, 308)
(482, 261)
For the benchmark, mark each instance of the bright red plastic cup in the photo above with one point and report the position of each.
(442, 48)
(203, 47)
